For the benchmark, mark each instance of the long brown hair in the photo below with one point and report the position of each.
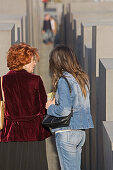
(62, 58)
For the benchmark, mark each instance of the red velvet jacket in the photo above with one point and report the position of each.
(25, 99)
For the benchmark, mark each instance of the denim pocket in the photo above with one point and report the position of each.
(62, 136)
(74, 137)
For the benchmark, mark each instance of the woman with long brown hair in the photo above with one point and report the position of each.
(69, 140)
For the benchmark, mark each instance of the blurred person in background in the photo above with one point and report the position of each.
(53, 25)
(47, 30)
(45, 3)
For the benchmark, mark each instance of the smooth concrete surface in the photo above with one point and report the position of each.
(17, 20)
(80, 17)
(100, 49)
(80, 9)
(7, 38)
(91, 6)
(108, 144)
(86, 38)
(77, 1)
(104, 98)
(86, 44)
(73, 22)
(102, 43)
(17, 7)
(106, 78)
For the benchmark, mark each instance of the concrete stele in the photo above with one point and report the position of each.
(86, 38)
(91, 6)
(106, 85)
(18, 21)
(102, 43)
(7, 37)
(108, 144)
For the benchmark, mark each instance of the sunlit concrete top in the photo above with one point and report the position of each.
(10, 17)
(108, 63)
(91, 22)
(6, 26)
(109, 128)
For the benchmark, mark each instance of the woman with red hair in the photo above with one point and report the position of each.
(25, 97)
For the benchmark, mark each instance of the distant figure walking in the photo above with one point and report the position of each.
(45, 3)
(47, 30)
(53, 25)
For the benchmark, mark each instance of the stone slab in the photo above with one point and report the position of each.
(17, 7)
(86, 38)
(18, 21)
(108, 144)
(102, 102)
(7, 38)
(102, 43)
(106, 84)
(101, 35)
(73, 26)
(91, 6)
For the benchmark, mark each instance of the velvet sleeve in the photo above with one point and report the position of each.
(42, 96)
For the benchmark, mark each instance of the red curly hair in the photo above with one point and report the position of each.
(20, 55)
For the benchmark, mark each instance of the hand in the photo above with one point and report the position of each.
(49, 102)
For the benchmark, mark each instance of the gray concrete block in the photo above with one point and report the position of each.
(74, 21)
(7, 38)
(103, 106)
(105, 86)
(102, 44)
(86, 38)
(89, 9)
(90, 6)
(17, 7)
(108, 144)
(18, 21)
(100, 49)
(86, 45)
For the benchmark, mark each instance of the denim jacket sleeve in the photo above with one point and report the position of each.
(64, 100)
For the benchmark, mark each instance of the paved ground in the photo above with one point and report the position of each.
(43, 71)
(44, 50)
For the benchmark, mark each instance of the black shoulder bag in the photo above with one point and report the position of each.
(57, 122)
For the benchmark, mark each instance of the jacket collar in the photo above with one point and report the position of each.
(19, 71)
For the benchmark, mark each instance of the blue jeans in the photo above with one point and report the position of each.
(48, 36)
(69, 146)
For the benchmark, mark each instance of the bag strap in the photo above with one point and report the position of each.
(2, 89)
(70, 92)
(67, 83)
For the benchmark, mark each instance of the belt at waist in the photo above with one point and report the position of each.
(22, 118)
(68, 130)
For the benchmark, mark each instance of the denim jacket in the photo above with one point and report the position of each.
(81, 118)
